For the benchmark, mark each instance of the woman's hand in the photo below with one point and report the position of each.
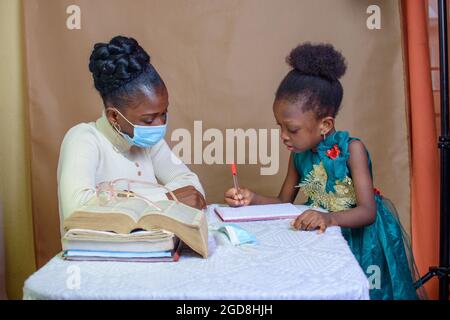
(240, 197)
(312, 220)
(189, 196)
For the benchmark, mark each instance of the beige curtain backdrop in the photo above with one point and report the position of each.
(16, 229)
(222, 62)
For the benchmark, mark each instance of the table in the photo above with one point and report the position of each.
(285, 264)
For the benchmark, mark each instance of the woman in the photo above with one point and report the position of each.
(127, 140)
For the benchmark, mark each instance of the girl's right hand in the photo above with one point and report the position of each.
(238, 198)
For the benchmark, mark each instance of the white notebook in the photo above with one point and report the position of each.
(261, 212)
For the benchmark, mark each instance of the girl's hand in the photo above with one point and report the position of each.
(312, 220)
(240, 197)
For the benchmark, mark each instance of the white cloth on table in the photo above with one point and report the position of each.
(286, 264)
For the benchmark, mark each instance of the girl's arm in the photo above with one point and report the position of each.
(365, 211)
(287, 193)
(288, 190)
(363, 214)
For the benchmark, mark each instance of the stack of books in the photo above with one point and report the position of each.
(139, 246)
(131, 230)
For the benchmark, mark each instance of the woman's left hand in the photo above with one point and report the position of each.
(189, 196)
(312, 220)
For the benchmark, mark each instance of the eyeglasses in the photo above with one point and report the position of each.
(118, 189)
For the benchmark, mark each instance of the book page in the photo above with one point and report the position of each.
(132, 207)
(178, 211)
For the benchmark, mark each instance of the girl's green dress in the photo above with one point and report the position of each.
(382, 249)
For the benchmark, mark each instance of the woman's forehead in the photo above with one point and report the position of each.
(150, 103)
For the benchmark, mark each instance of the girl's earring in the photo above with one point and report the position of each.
(324, 136)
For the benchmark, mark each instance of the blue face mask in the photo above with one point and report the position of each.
(236, 234)
(145, 136)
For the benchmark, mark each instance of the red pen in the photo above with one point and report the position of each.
(234, 173)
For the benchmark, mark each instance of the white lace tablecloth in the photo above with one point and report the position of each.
(286, 264)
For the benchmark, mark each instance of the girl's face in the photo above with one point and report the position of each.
(300, 131)
(149, 110)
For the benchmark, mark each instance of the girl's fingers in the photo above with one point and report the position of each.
(235, 194)
(231, 202)
(309, 225)
(230, 193)
(306, 221)
(237, 197)
(297, 222)
(234, 203)
(315, 223)
(322, 228)
(312, 222)
(309, 221)
(294, 223)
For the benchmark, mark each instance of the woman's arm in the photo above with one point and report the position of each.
(176, 176)
(78, 160)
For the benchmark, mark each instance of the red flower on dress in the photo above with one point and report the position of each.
(376, 191)
(334, 152)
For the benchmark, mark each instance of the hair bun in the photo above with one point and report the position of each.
(117, 62)
(320, 60)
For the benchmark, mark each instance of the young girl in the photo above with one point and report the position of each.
(334, 171)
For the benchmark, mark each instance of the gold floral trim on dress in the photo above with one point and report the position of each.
(314, 187)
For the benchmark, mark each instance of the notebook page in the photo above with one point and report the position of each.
(260, 212)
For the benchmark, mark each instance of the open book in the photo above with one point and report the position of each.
(125, 215)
